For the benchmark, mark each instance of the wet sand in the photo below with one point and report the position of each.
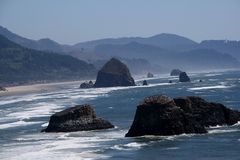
(37, 88)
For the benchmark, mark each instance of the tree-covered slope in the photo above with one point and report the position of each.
(21, 65)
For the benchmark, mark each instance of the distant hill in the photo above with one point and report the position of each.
(42, 44)
(196, 59)
(164, 40)
(22, 65)
(225, 46)
(165, 50)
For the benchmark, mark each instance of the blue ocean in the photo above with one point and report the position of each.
(23, 117)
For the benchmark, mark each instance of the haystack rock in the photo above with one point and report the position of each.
(175, 72)
(114, 73)
(183, 77)
(150, 75)
(78, 118)
(162, 115)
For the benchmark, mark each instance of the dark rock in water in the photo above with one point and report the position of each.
(149, 75)
(114, 73)
(87, 85)
(161, 115)
(183, 77)
(145, 83)
(200, 80)
(208, 113)
(3, 89)
(78, 118)
(170, 81)
(175, 72)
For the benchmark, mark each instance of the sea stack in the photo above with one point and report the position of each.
(183, 77)
(159, 115)
(175, 72)
(3, 89)
(114, 73)
(145, 83)
(150, 75)
(162, 115)
(78, 118)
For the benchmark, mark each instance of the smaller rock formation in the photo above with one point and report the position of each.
(114, 73)
(87, 85)
(175, 72)
(145, 83)
(78, 118)
(3, 89)
(183, 77)
(200, 80)
(150, 75)
(170, 81)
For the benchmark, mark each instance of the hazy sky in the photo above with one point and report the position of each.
(72, 21)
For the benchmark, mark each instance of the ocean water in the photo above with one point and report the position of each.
(23, 117)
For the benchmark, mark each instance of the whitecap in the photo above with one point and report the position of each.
(129, 146)
(217, 126)
(45, 124)
(38, 110)
(216, 131)
(17, 124)
(209, 87)
(237, 124)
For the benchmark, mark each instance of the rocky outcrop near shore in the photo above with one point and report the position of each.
(183, 77)
(114, 73)
(162, 115)
(208, 113)
(150, 75)
(87, 85)
(78, 118)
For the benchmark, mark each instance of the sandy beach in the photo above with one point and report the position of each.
(37, 88)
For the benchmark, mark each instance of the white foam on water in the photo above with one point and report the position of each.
(38, 110)
(209, 87)
(216, 131)
(217, 126)
(61, 146)
(45, 124)
(17, 124)
(129, 146)
(237, 124)
(25, 98)
(212, 74)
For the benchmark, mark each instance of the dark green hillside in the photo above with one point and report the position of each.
(22, 65)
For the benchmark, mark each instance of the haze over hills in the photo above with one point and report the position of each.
(166, 51)
(196, 59)
(226, 46)
(21, 65)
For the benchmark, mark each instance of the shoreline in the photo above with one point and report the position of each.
(37, 88)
